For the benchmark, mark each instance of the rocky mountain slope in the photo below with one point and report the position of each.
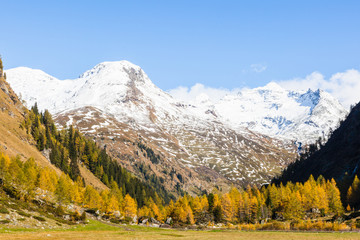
(244, 138)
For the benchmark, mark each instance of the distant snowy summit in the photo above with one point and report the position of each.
(125, 91)
(274, 111)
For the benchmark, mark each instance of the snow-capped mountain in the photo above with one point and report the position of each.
(274, 111)
(116, 87)
(228, 140)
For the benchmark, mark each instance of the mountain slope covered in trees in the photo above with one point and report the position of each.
(338, 158)
(68, 148)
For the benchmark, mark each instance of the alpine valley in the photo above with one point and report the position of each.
(247, 137)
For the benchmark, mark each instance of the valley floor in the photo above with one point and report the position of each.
(97, 230)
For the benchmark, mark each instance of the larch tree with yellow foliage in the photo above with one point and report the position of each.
(129, 207)
(334, 198)
(92, 198)
(227, 208)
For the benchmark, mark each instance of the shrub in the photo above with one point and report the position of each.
(83, 216)
(116, 221)
(319, 225)
(328, 226)
(24, 214)
(274, 226)
(247, 227)
(340, 227)
(59, 211)
(357, 223)
(4, 210)
(76, 216)
(4, 221)
(230, 226)
(41, 219)
(127, 220)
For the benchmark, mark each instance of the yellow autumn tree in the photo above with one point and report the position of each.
(235, 197)
(129, 206)
(323, 203)
(117, 193)
(150, 209)
(113, 204)
(4, 165)
(293, 208)
(333, 193)
(169, 209)
(182, 211)
(155, 211)
(30, 173)
(78, 191)
(196, 205)
(92, 198)
(144, 211)
(227, 207)
(47, 180)
(64, 189)
(105, 196)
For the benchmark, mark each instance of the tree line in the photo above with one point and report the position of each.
(299, 201)
(252, 205)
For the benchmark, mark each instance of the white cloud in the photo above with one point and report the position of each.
(199, 92)
(258, 68)
(345, 86)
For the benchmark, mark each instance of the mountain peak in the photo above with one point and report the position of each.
(26, 72)
(273, 86)
(118, 65)
(111, 67)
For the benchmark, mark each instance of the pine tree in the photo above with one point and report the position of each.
(353, 193)
(74, 169)
(1, 67)
(35, 109)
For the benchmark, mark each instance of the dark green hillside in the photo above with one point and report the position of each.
(339, 158)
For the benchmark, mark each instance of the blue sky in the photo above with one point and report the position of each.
(221, 44)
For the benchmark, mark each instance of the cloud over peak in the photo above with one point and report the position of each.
(345, 86)
(200, 92)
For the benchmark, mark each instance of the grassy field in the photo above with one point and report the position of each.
(96, 230)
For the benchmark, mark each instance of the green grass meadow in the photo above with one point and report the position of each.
(97, 230)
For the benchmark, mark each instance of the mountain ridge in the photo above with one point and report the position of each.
(280, 125)
(200, 141)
